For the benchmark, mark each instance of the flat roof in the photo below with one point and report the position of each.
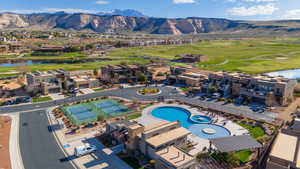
(235, 143)
(298, 158)
(174, 156)
(166, 137)
(158, 126)
(194, 74)
(135, 126)
(284, 147)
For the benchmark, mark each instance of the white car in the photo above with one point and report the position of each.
(84, 150)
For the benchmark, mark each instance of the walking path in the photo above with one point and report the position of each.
(14, 147)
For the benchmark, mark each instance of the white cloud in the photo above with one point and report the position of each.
(102, 2)
(292, 14)
(50, 10)
(267, 9)
(184, 1)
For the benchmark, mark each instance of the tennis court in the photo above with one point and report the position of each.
(80, 114)
(89, 112)
(111, 107)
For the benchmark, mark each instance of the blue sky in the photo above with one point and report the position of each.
(232, 9)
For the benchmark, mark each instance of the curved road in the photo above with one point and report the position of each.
(128, 93)
(131, 94)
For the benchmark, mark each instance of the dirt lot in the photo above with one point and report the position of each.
(5, 123)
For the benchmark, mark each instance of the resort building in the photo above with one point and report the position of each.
(83, 79)
(122, 73)
(158, 72)
(47, 81)
(285, 153)
(50, 48)
(4, 48)
(11, 88)
(55, 81)
(189, 77)
(17, 48)
(159, 142)
(271, 91)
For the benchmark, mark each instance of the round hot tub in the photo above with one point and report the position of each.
(201, 119)
(209, 131)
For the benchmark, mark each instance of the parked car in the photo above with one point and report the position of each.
(84, 150)
(202, 98)
(216, 95)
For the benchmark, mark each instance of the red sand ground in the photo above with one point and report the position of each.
(5, 123)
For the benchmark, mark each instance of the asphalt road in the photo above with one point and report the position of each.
(38, 146)
(128, 93)
(131, 93)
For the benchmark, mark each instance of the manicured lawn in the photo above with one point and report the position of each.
(132, 162)
(98, 89)
(8, 75)
(133, 116)
(255, 131)
(76, 66)
(146, 91)
(235, 158)
(185, 89)
(69, 55)
(41, 99)
(244, 155)
(250, 56)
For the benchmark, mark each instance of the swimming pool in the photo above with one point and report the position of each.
(201, 119)
(171, 114)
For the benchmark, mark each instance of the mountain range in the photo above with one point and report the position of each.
(129, 22)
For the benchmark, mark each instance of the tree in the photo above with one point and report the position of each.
(89, 46)
(96, 72)
(152, 162)
(212, 89)
(100, 118)
(160, 74)
(142, 77)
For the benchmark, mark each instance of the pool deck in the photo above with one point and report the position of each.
(148, 119)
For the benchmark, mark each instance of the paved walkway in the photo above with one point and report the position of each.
(14, 147)
(102, 158)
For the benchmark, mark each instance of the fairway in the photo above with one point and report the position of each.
(249, 56)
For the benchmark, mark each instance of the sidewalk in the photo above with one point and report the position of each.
(14, 147)
(103, 158)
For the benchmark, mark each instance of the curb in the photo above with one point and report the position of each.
(14, 141)
(60, 144)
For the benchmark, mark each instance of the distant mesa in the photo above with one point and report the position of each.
(120, 21)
